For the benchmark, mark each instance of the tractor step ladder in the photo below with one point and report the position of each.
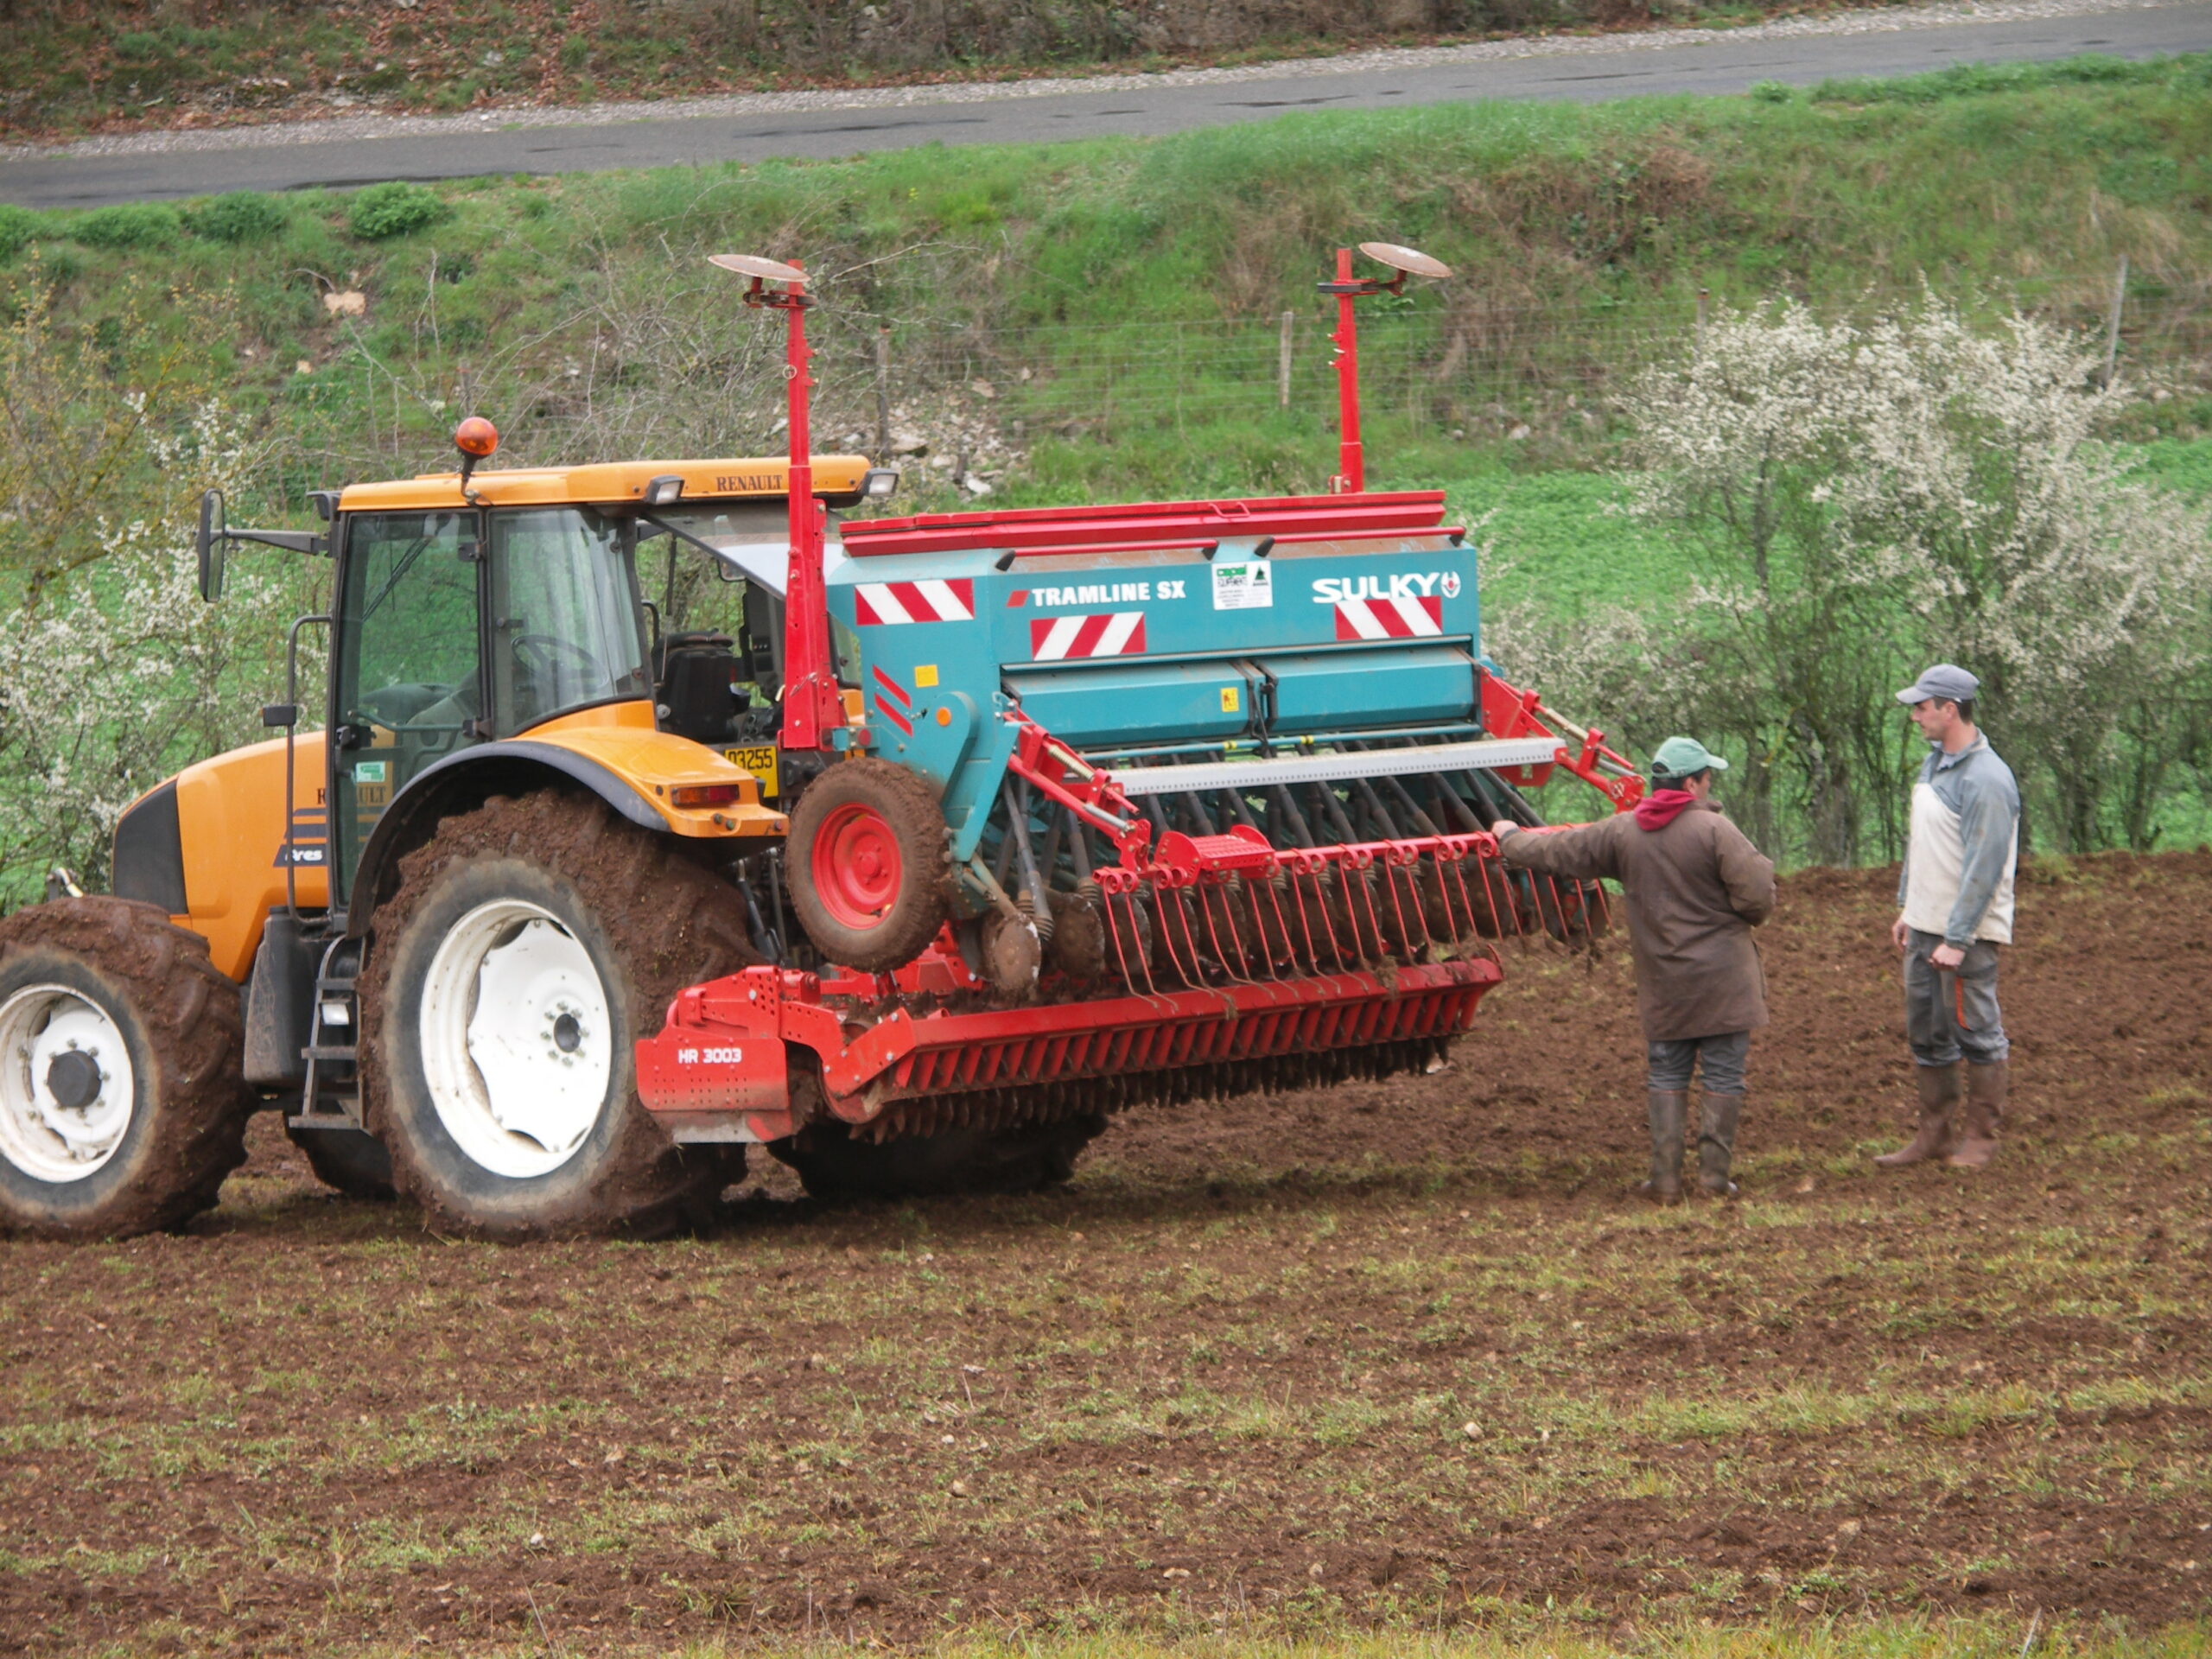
(334, 982)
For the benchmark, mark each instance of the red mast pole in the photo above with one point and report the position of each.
(812, 705)
(1351, 465)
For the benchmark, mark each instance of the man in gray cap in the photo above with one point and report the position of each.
(1954, 904)
(1694, 887)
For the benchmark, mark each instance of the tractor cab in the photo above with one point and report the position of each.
(480, 609)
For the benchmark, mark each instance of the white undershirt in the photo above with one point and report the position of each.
(1935, 860)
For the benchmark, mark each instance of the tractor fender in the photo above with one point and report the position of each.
(465, 780)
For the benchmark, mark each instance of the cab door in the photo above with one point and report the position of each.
(407, 679)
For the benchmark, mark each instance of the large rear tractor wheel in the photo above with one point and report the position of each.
(835, 1166)
(122, 1102)
(530, 944)
(871, 870)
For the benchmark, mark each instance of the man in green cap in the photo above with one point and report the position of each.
(1695, 887)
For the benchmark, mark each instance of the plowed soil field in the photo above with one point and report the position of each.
(1403, 1355)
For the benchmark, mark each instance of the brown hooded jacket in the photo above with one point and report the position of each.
(1695, 890)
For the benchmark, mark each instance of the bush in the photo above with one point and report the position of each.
(242, 216)
(394, 209)
(1870, 497)
(18, 227)
(128, 225)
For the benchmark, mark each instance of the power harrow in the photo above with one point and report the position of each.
(1130, 802)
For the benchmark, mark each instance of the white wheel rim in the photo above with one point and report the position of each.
(518, 1045)
(49, 1127)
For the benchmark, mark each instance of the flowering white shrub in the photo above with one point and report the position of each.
(1866, 498)
(118, 673)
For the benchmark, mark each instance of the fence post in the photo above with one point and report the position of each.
(1282, 362)
(883, 395)
(1699, 341)
(2112, 322)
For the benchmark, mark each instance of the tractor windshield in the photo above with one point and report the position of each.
(566, 625)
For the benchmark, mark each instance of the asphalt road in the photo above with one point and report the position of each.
(1721, 63)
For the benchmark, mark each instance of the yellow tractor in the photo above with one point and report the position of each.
(528, 794)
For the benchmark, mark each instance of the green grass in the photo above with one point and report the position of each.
(1580, 237)
(2184, 467)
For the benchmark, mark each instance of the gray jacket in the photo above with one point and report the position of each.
(1980, 788)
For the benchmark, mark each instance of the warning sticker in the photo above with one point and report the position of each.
(1247, 586)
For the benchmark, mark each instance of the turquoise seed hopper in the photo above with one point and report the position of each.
(1128, 801)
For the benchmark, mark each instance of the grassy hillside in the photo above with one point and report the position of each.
(1106, 317)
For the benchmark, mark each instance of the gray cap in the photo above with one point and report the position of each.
(1945, 682)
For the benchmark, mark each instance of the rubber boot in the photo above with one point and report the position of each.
(1716, 1143)
(1985, 1115)
(1669, 1110)
(1939, 1099)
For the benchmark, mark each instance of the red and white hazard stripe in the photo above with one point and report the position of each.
(878, 603)
(1112, 634)
(1389, 619)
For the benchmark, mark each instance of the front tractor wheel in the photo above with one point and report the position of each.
(532, 943)
(870, 872)
(122, 1105)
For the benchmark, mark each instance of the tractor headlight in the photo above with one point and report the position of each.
(878, 482)
(665, 491)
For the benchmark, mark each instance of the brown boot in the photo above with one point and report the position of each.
(1716, 1144)
(1985, 1115)
(1939, 1097)
(1669, 1110)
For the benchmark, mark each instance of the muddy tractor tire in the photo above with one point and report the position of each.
(532, 943)
(871, 870)
(837, 1168)
(123, 1105)
(352, 1162)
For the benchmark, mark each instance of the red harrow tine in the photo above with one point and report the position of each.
(1171, 899)
(1288, 956)
(1407, 857)
(1205, 906)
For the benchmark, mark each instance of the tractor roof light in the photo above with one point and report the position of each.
(879, 483)
(665, 491)
(475, 438)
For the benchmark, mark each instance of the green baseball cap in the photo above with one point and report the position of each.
(1679, 757)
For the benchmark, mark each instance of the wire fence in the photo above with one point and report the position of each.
(976, 397)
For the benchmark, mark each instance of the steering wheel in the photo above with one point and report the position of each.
(551, 646)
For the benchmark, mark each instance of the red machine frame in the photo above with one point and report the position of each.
(731, 1047)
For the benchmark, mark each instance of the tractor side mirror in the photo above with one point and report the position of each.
(213, 541)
